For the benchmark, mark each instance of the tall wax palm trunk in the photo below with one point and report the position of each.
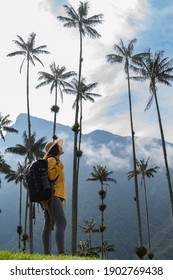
(134, 162)
(80, 135)
(30, 158)
(78, 19)
(147, 213)
(75, 160)
(55, 113)
(30, 53)
(102, 222)
(20, 217)
(157, 69)
(102, 175)
(126, 54)
(164, 152)
(28, 112)
(142, 169)
(25, 235)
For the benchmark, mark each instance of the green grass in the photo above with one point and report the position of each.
(7, 255)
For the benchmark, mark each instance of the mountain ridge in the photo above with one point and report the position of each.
(114, 151)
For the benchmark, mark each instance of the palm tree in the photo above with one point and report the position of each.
(57, 80)
(30, 53)
(126, 54)
(157, 69)
(84, 94)
(88, 227)
(18, 177)
(23, 150)
(100, 174)
(4, 167)
(78, 19)
(142, 168)
(30, 149)
(4, 126)
(105, 248)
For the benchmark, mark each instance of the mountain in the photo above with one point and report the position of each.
(113, 151)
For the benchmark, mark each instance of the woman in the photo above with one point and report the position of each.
(54, 212)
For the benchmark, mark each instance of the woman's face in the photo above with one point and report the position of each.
(60, 150)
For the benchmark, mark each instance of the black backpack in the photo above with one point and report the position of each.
(38, 184)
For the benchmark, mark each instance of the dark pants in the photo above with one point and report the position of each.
(58, 219)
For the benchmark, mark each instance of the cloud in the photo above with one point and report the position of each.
(118, 156)
(102, 154)
(122, 19)
(149, 147)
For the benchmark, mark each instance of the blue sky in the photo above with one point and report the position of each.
(150, 21)
(159, 27)
(60, 2)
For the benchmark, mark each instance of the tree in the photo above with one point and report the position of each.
(88, 227)
(144, 171)
(30, 53)
(18, 177)
(4, 167)
(84, 94)
(85, 250)
(23, 150)
(105, 248)
(157, 69)
(4, 126)
(30, 149)
(126, 54)
(100, 174)
(78, 19)
(57, 80)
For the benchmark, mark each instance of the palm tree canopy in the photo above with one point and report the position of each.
(4, 167)
(16, 176)
(124, 54)
(156, 69)
(88, 226)
(142, 168)
(57, 78)
(4, 126)
(78, 19)
(37, 146)
(83, 89)
(28, 49)
(101, 174)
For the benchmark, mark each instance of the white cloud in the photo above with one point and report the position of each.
(118, 156)
(149, 147)
(103, 155)
(122, 19)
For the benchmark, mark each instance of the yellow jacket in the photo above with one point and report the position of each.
(56, 170)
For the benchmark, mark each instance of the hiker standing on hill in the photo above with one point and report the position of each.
(54, 212)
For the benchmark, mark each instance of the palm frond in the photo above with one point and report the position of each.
(10, 129)
(113, 58)
(78, 19)
(71, 12)
(20, 70)
(16, 53)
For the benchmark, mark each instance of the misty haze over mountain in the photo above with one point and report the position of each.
(115, 152)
